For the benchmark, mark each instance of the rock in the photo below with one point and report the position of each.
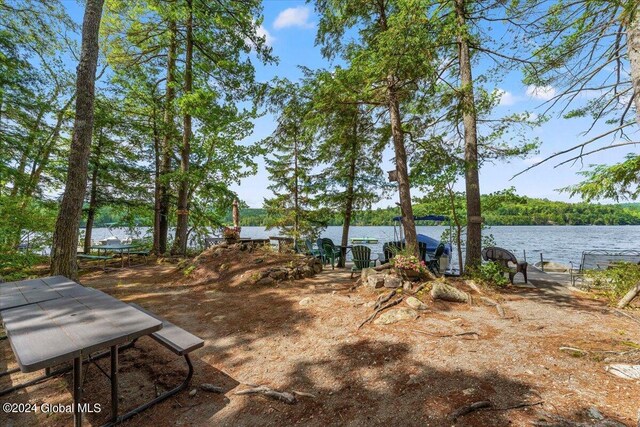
(366, 272)
(448, 293)
(392, 282)
(595, 414)
(383, 267)
(307, 271)
(396, 315)
(211, 388)
(375, 281)
(193, 392)
(317, 267)
(468, 391)
(258, 261)
(629, 372)
(306, 301)
(223, 245)
(278, 274)
(407, 286)
(415, 303)
(265, 281)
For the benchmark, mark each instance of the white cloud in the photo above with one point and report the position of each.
(506, 98)
(293, 17)
(261, 31)
(544, 93)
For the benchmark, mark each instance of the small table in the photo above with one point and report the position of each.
(47, 333)
(116, 248)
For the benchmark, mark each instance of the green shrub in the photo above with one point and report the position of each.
(491, 273)
(617, 279)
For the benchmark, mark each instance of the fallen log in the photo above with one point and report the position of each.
(379, 309)
(282, 396)
(448, 293)
(420, 331)
(211, 388)
(382, 267)
(467, 409)
(633, 292)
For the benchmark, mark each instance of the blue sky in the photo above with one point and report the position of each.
(290, 27)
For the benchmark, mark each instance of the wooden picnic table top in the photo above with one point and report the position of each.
(46, 333)
(24, 292)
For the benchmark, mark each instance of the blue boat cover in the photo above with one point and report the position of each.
(432, 244)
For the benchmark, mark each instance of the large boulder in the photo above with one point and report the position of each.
(375, 281)
(392, 282)
(365, 273)
(396, 315)
(415, 303)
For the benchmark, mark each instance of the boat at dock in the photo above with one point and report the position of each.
(552, 267)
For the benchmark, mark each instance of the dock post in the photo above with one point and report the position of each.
(541, 262)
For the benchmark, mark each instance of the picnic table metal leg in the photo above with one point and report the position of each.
(114, 383)
(77, 391)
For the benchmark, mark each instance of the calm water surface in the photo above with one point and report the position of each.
(557, 243)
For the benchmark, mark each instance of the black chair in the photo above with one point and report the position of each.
(433, 263)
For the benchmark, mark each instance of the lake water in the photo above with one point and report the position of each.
(557, 243)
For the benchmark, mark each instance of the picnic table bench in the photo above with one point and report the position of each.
(601, 260)
(103, 258)
(54, 320)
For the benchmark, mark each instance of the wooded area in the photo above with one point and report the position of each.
(176, 98)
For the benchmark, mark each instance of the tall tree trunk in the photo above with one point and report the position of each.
(182, 227)
(351, 178)
(169, 133)
(65, 236)
(156, 185)
(402, 171)
(296, 189)
(633, 49)
(93, 197)
(472, 180)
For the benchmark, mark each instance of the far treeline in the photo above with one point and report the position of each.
(526, 211)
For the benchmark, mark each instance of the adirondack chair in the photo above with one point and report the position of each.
(433, 262)
(504, 257)
(331, 252)
(311, 250)
(361, 258)
(390, 249)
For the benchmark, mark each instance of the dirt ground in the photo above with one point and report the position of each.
(401, 374)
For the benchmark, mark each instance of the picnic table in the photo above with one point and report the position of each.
(54, 320)
(120, 248)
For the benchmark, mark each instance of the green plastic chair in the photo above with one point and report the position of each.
(331, 253)
(311, 250)
(361, 258)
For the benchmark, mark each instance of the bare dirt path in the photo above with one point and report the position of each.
(399, 374)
